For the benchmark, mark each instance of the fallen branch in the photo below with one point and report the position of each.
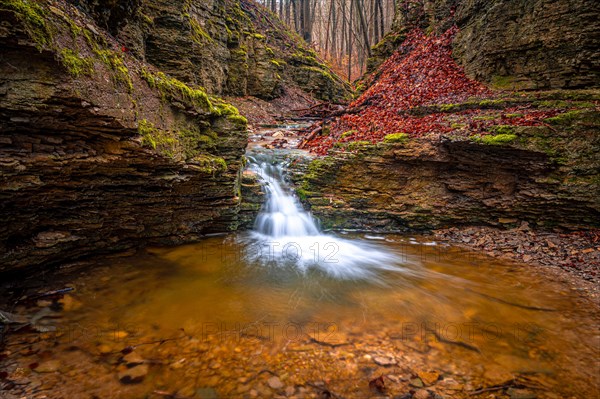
(517, 305)
(323, 343)
(457, 343)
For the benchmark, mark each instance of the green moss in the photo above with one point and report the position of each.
(485, 118)
(566, 118)
(502, 129)
(457, 126)
(301, 58)
(198, 33)
(448, 107)
(498, 139)
(32, 16)
(195, 142)
(491, 103)
(238, 120)
(514, 115)
(164, 142)
(320, 71)
(357, 145)
(302, 194)
(502, 82)
(347, 134)
(257, 36)
(114, 61)
(174, 89)
(210, 164)
(396, 138)
(224, 109)
(75, 64)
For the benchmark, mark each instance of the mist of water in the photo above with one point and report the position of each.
(287, 234)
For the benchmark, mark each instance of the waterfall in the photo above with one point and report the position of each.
(286, 234)
(282, 215)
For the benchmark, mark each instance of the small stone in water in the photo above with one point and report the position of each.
(133, 359)
(416, 382)
(206, 393)
(521, 394)
(48, 367)
(134, 375)
(429, 378)
(384, 361)
(421, 394)
(275, 383)
(104, 349)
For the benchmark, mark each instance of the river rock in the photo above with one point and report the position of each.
(385, 361)
(416, 382)
(134, 375)
(49, 366)
(207, 393)
(515, 393)
(133, 359)
(421, 394)
(275, 383)
(428, 377)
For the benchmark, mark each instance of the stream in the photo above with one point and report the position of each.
(287, 310)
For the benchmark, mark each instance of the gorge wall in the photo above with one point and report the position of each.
(547, 176)
(515, 44)
(228, 47)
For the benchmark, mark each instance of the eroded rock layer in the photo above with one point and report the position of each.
(99, 151)
(548, 176)
(516, 44)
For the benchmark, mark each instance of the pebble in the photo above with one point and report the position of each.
(384, 361)
(428, 377)
(520, 394)
(49, 366)
(416, 382)
(421, 394)
(133, 359)
(134, 375)
(275, 383)
(207, 393)
(104, 349)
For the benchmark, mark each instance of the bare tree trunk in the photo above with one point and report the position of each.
(350, 41)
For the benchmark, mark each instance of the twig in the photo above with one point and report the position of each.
(323, 343)
(518, 305)
(457, 343)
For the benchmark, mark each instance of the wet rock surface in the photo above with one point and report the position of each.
(102, 152)
(443, 181)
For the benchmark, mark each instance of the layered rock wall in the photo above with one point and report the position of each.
(515, 44)
(100, 151)
(548, 176)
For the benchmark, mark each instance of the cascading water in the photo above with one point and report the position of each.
(286, 234)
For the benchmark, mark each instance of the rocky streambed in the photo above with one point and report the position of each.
(204, 321)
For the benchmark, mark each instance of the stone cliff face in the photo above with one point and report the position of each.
(516, 44)
(100, 151)
(548, 176)
(228, 47)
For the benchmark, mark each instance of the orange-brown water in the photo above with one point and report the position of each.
(207, 321)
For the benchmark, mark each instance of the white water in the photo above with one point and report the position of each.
(286, 234)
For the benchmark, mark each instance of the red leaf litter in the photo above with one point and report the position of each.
(422, 72)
